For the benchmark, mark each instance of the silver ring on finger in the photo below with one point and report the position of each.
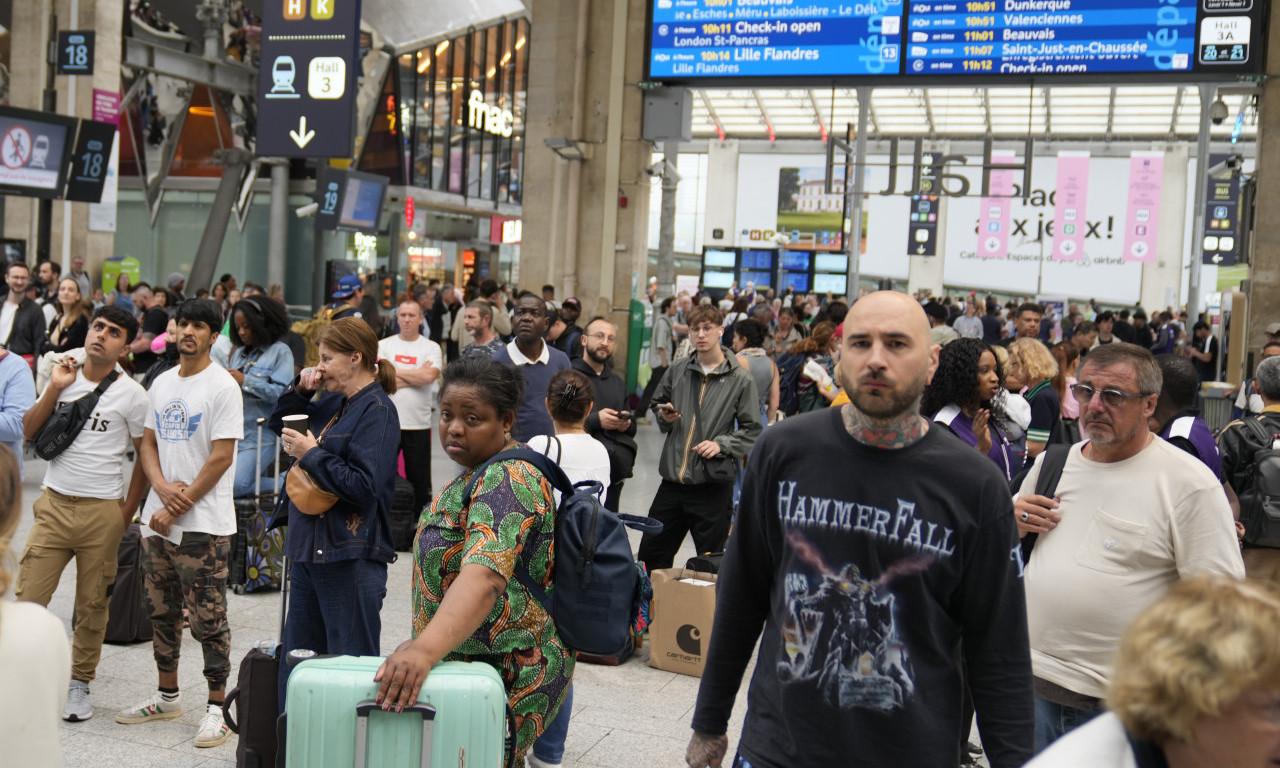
(1025, 516)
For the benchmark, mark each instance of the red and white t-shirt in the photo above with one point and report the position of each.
(416, 405)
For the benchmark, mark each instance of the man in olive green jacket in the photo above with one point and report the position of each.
(708, 407)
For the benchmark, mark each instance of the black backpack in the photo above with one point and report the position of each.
(596, 577)
(1260, 505)
(790, 366)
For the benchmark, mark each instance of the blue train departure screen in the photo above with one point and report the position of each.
(916, 40)
(692, 39)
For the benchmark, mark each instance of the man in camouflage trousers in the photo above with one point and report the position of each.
(193, 423)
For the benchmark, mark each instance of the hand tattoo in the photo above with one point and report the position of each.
(705, 750)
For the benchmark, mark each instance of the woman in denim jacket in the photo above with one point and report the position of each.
(340, 556)
(263, 367)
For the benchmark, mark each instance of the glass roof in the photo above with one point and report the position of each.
(1135, 111)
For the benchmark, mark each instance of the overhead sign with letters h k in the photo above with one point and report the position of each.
(306, 83)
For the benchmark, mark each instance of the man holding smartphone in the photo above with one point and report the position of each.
(609, 422)
(708, 407)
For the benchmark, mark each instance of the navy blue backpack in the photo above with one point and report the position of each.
(596, 577)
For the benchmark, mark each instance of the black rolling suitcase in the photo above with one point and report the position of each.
(128, 620)
(255, 696)
(404, 516)
(257, 554)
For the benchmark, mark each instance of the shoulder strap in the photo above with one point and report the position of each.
(107, 381)
(559, 448)
(1257, 430)
(552, 471)
(1055, 460)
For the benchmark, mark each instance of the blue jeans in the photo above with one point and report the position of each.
(334, 608)
(549, 748)
(247, 466)
(1053, 721)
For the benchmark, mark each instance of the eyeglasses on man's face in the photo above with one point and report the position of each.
(1112, 398)
(604, 338)
(702, 330)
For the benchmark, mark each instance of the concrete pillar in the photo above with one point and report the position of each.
(576, 235)
(1162, 278)
(28, 39)
(722, 205)
(1264, 274)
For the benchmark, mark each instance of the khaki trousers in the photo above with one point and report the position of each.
(88, 530)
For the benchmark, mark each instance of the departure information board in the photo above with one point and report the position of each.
(874, 40)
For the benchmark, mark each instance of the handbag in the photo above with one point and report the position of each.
(309, 498)
(64, 424)
(722, 468)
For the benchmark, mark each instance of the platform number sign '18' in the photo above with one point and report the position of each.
(75, 52)
(90, 161)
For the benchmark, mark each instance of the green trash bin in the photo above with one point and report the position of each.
(639, 332)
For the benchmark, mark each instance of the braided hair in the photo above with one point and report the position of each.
(956, 380)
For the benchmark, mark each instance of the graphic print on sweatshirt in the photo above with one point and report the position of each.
(175, 423)
(841, 634)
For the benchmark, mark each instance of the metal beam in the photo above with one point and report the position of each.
(871, 109)
(817, 112)
(711, 110)
(928, 111)
(1177, 107)
(764, 113)
(1048, 111)
(1111, 114)
(237, 79)
(986, 111)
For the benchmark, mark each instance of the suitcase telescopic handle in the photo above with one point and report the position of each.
(363, 710)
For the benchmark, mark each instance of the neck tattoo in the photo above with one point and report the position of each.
(889, 434)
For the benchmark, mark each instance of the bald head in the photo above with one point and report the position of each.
(889, 308)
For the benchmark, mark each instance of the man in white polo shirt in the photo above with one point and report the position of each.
(1131, 515)
(81, 513)
(418, 361)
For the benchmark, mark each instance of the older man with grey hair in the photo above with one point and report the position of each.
(1241, 443)
(1130, 516)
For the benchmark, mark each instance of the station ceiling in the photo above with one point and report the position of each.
(1122, 113)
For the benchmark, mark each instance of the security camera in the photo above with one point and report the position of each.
(307, 210)
(655, 170)
(1226, 168)
(662, 170)
(1218, 111)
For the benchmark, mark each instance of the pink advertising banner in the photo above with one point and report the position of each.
(994, 218)
(106, 107)
(1071, 201)
(1146, 173)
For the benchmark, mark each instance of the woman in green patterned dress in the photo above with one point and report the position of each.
(468, 600)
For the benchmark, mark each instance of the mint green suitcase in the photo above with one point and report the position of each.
(332, 721)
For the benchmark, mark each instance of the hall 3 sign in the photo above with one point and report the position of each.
(490, 119)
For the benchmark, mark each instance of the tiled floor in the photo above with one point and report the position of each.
(631, 715)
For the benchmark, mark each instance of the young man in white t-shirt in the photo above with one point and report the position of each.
(193, 423)
(418, 361)
(80, 514)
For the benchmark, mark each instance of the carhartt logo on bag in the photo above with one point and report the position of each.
(689, 638)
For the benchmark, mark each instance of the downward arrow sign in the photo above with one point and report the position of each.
(302, 136)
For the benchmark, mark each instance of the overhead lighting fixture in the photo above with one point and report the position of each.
(442, 47)
(424, 63)
(567, 149)
(520, 43)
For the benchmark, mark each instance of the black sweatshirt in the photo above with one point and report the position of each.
(867, 569)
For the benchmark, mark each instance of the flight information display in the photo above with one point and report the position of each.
(873, 40)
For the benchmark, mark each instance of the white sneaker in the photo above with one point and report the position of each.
(213, 731)
(153, 708)
(78, 708)
(533, 762)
